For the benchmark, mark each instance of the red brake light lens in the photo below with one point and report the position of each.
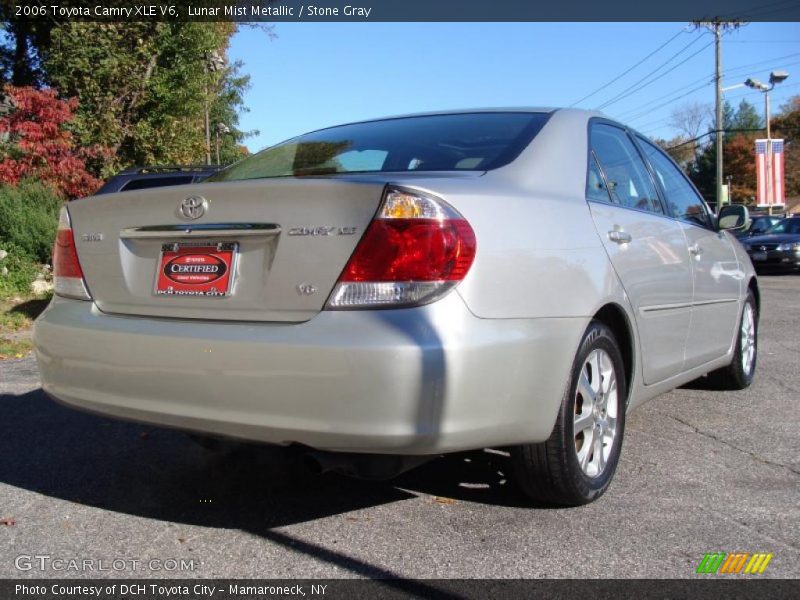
(65, 255)
(67, 273)
(412, 253)
(413, 250)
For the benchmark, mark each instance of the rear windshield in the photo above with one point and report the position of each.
(151, 182)
(457, 142)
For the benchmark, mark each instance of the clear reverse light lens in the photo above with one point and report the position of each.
(387, 293)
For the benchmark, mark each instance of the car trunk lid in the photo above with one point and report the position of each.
(280, 244)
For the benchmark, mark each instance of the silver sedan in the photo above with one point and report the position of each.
(382, 292)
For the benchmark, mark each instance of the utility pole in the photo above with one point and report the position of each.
(718, 111)
(213, 64)
(718, 28)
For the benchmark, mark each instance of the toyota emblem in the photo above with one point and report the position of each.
(193, 207)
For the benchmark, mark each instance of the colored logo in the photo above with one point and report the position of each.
(734, 563)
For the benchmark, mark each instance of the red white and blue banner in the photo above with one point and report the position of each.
(769, 173)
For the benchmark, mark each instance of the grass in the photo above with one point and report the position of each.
(14, 348)
(18, 314)
(16, 317)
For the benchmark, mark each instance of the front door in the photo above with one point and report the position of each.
(717, 274)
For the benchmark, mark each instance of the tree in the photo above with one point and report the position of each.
(37, 143)
(143, 87)
(20, 44)
(689, 119)
(741, 126)
(681, 149)
(745, 117)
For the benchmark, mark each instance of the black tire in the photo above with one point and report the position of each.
(735, 376)
(550, 472)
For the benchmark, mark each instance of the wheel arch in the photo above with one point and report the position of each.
(613, 316)
(753, 286)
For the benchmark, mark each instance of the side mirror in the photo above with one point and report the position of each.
(734, 217)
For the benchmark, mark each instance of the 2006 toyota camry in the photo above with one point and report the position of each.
(390, 290)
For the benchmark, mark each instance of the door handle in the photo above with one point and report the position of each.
(695, 249)
(619, 237)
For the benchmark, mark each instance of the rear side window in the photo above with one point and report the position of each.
(629, 183)
(457, 142)
(684, 202)
(152, 182)
(595, 185)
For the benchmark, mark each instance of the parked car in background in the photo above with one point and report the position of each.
(141, 178)
(778, 248)
(382, 292)
(759, 224)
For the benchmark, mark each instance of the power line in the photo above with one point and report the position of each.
(633, 89)
(758, 8)
(776, 92)
(761, 62)
(621, 75)
(650, 110)
(709, 78)
(764, 41)
(706, 81)
(763, 13)
(700, 137)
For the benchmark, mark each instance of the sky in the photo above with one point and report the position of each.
(320, 74)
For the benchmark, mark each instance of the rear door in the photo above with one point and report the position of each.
(646, 247)
(715, 269)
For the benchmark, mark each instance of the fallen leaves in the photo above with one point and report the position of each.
(443, 500)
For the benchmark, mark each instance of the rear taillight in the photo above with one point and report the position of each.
(67, 274)
(415, 250)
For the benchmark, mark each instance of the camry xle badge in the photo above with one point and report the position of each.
(193, 207)
(322, 230)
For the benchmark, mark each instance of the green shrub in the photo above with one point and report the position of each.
(28, 218)
(22, 271)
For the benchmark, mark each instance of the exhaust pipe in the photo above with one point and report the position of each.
(324, 462)
(376, 467)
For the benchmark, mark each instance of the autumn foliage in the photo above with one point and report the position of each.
(36, 143)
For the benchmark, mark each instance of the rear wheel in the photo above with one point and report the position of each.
(576, 464)
(739, 374)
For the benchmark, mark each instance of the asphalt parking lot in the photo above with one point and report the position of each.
(701, 471)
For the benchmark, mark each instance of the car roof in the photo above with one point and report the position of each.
(580, 113)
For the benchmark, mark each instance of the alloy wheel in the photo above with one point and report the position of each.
(596, 410)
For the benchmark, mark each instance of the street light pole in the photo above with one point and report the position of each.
(774, 78)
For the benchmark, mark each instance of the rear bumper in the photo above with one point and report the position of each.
(412, 381)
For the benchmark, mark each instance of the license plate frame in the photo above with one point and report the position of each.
(192, 269)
